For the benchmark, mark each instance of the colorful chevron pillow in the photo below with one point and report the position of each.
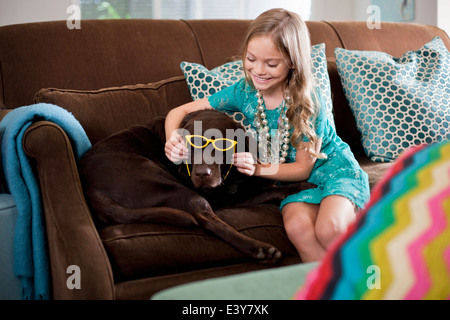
(399, 248)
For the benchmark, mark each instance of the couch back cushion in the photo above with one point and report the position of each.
(103, 53)
(392, 38)
(106, 111)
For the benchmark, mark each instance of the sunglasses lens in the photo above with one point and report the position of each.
(223, 144)
(197, 141)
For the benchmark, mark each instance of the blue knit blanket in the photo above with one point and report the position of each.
(31, 263)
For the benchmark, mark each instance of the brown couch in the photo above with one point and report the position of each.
(115, 73)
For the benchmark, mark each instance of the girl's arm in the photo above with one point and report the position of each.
(299, 170)
(175, 149)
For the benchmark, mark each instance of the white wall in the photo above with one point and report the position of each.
(443, 15)
(333, 10)
(23, 11)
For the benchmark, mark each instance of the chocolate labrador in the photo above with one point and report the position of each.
(127, 178)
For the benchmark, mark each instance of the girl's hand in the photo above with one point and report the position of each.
(245, 163)
(175, 148)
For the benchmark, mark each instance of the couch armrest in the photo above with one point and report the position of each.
(72, 236)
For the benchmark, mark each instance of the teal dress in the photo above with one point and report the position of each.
(338, 174)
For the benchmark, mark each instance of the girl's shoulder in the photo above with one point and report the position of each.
(233, 97)
(243, 90)
(239, 87)
(245, 86)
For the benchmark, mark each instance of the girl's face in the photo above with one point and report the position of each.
(266, 66)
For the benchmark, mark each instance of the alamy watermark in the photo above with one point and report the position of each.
(74, 19)
(74, 280)
(374, 20)
(374, 280)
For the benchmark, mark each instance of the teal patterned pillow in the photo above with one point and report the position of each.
(321, 77)
(398, 102)
(203, 82)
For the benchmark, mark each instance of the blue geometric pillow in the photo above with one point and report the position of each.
(398, 102)
(203, 82)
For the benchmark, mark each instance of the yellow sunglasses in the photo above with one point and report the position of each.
(200, 142)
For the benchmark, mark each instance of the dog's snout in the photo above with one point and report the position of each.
(206, 176)
(204, 172)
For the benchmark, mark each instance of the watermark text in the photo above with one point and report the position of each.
(74, 20)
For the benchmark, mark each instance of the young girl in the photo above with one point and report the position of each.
(278, 95)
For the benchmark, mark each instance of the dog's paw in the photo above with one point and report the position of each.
(268, 255)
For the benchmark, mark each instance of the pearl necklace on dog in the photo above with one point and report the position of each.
(272, 149)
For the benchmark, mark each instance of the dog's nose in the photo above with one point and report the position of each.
(204, 172)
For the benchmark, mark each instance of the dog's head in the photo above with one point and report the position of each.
(212, 138)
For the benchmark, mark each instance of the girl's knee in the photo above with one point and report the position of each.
(329, 230)
(336, 214)
(298, 224)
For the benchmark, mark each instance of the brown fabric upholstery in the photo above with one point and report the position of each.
(114, 73)
(72, 236)
(182, 249)
(137, 289)
(106, 111)
(214, 48)
(103, 53)
(392, 38)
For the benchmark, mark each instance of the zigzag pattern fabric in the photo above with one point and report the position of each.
(399, 247)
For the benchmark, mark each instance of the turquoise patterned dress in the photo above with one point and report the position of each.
(338, 174)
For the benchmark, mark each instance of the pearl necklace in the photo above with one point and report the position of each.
(272, 149)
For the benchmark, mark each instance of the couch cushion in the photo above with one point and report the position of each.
(106, 111)
(143, 250)
(374, 170)
(398, 102)
(103, 53)
(394, 38)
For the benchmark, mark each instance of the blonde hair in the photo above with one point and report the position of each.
(291, 36)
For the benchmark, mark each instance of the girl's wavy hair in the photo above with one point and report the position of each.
(291, 36)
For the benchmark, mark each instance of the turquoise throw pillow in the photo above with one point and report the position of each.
(203, 82)
(398, 102)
